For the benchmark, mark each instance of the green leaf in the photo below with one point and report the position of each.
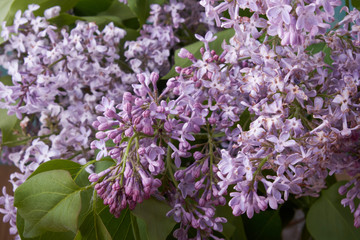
(117, 12)
(94, 228)
(239, 229)
(160, 2)
(321, 47)
(6, 80)
(194, 48)
(57, 164)
(264, 225)
(140, 8)
(328, 219)
(233, 228)
(104, 164)
(86, 208)
(49, 201)
(119, 228)
(8, 126)
(118, 9)
(44, 4)
(245, 120)
(315, 48)
(327, 58)
(135, 227)
(356, 4)
(101, 224)
(65, 19)
(153, 213)
(76, 170)
(91, 7)
(20, 223)
(142, 229)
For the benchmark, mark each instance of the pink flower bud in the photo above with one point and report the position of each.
(100, 135)
(127, 107)
(154, 76)
(141, 151)
(96, 124)
(198, 155)
(146, 113)
(93, 177)
(127, 96)
(110, 113)
(129, 132)
(141, 78)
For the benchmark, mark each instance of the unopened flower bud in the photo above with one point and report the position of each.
(198, 155)
(141, 151)
(96, 124)
(147, 129)
(154, 77)
(129, 132)
(100, 135)
(127, 107)
(146, 113)
(127, 96)
(139, 102)
(93, 177)
(141, 78)
(160, 109)
(110, 113)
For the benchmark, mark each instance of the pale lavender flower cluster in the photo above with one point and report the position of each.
(58, 77)
(151, 50)
(294, 22)
(304, 112)
(9, 211)
(45, 63)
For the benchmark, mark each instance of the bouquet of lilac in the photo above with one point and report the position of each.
(152, 119)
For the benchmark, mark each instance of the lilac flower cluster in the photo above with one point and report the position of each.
(292, 21)
(151, 50)
(58, 77)
(304, 112)
(139, 129)
(46, 63)
(136, 134)
(267, 101)
(303, 121)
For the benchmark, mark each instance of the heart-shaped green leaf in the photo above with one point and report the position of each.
(327, 219)
(49, 201)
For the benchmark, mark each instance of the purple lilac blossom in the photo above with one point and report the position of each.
(303, 122)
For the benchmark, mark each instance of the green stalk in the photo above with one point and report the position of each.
(26, 139)
(169, 165)
(263, 161)
(123, 160)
